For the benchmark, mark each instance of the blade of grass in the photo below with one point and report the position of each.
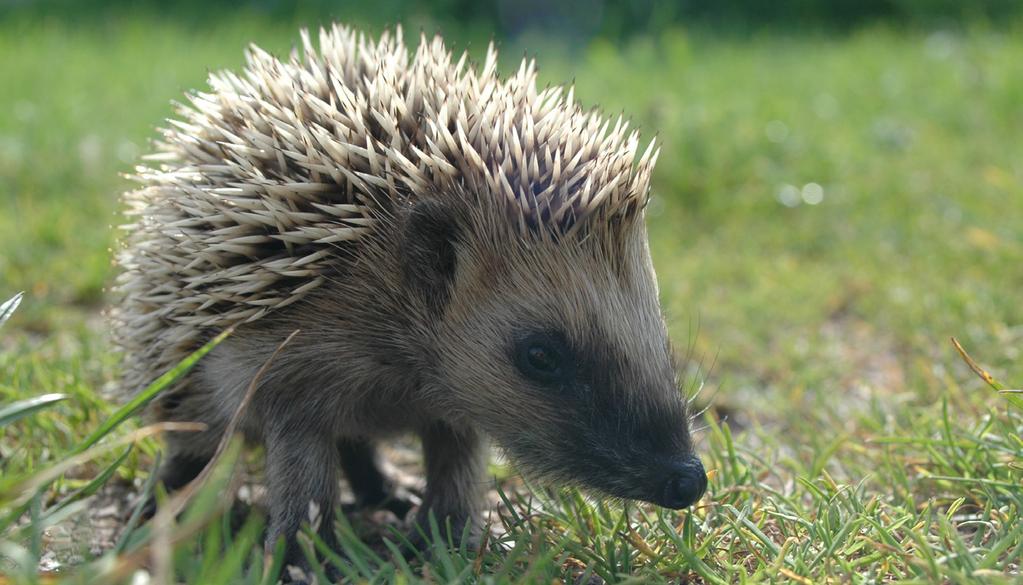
(93, 486)
(27, 487)
(124, 565)
(1010, 395)
(143, 398)
(693, 562)
(7, 309)
(23, 408)
(136, 514)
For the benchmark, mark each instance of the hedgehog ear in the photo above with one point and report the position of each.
(428, 253)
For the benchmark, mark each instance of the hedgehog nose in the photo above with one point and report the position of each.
(685, 485)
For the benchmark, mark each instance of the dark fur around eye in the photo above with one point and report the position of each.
(544, 358)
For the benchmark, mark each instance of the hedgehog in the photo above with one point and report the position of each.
(464, 257)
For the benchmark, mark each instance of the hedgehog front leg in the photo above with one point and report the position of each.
(455, 465)
(301, 469)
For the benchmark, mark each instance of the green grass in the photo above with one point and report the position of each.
(856, 445)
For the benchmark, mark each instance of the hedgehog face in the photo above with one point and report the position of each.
(613, 423)
(557, 349)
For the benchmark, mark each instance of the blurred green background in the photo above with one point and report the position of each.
(840, 190)
(842, 173)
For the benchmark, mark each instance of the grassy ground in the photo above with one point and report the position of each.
(829, 210)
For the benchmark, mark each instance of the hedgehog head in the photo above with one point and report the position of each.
(554, 343)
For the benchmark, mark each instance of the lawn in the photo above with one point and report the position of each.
(829, 210)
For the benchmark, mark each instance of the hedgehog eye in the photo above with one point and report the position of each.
(543, 358)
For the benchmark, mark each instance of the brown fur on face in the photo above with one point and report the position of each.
(619, 424)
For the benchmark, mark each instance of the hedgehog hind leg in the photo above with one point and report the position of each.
(186, 454)
(178, 470)
(362, 466)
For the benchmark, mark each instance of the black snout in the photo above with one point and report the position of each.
(685, 485)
